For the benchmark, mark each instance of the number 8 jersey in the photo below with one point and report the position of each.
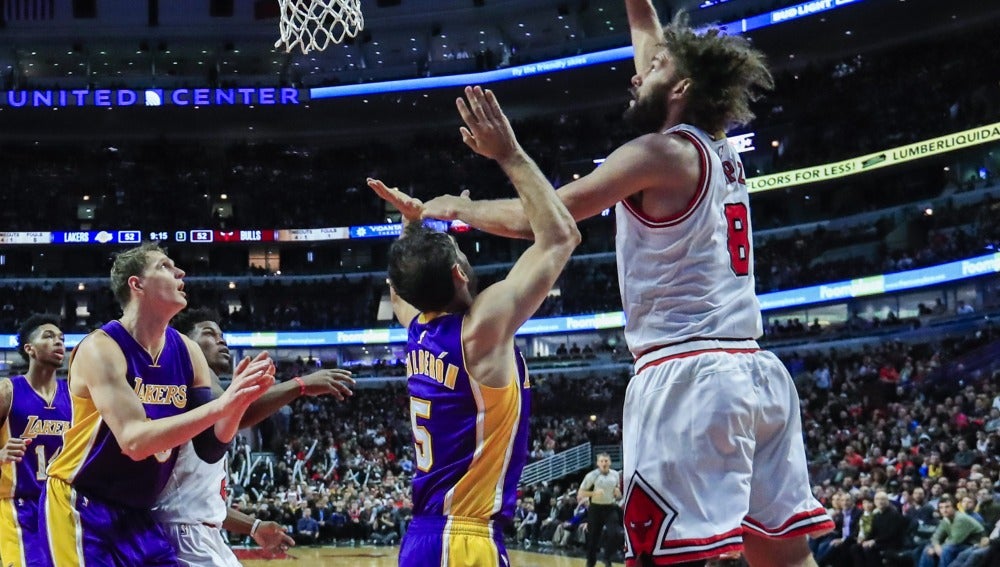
(41, 421)
(690, 276)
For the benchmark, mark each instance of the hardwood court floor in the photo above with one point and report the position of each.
(386, 557)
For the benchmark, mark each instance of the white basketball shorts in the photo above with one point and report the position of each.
(199, 545)
(712, 450)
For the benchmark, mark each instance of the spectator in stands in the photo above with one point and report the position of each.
(846, 528)
(956, 532)
(573, 529)
(547, 528)
(885, 537)
(820, 546)
(307, 528)
(965, 457)
(968, 505)
(386, 531)
(987, 552)
(920, 511)
(987, 506)
(527, 525)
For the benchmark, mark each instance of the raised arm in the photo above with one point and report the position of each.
(230, 423)
(647, 33)
(411, 210)
(502, 308)
(334, 382)
(99, 370)
(648, 162)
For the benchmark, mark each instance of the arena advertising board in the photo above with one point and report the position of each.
(860, 287)
(876, 160)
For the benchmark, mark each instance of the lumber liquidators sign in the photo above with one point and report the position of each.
(871, 162)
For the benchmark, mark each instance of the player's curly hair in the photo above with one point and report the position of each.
(29, 329)
(186, 320)
(727, 74)
(420, 264)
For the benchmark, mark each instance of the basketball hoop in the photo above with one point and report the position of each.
(312, 25)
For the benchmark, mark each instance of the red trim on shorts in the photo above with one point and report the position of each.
(686, 341)
(687, 557)
(821, 523)
(713, 546)
(704, 181)
(701, 541)
(659, 361)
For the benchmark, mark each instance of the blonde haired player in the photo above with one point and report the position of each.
(138, 389)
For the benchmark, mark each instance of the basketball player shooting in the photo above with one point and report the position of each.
(468, 383)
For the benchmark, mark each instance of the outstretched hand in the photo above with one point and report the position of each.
(251, 378)
(446, 207)
(410, 207)
(487, 131)
(335, 382)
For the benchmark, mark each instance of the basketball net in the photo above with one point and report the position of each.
(312, 25)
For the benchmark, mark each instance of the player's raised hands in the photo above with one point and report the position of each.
(446, 207)
(251, 378)
(410, 207)
(334, 382)
(14, 450)
(487, 131)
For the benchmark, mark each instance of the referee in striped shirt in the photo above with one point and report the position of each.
(603, 486)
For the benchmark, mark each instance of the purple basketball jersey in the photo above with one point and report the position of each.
(92, 461)
(43, 422)
(471, 441)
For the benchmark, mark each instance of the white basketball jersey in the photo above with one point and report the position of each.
(690, 276)
(194, 493)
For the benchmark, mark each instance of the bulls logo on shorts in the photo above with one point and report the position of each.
(647, 518)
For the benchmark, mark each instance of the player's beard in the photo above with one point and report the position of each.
(649, 113)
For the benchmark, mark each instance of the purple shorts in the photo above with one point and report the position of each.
(449, 540)
(19, 542)
(78, 530)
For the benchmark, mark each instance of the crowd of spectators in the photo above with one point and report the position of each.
(932, 236)
(347, 465)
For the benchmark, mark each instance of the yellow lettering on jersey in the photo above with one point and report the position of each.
(161, 395)
(36, 427)
(424, 362)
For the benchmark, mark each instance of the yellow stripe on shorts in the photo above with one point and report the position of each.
(11, 544)
(63, 523)
(469, 544)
